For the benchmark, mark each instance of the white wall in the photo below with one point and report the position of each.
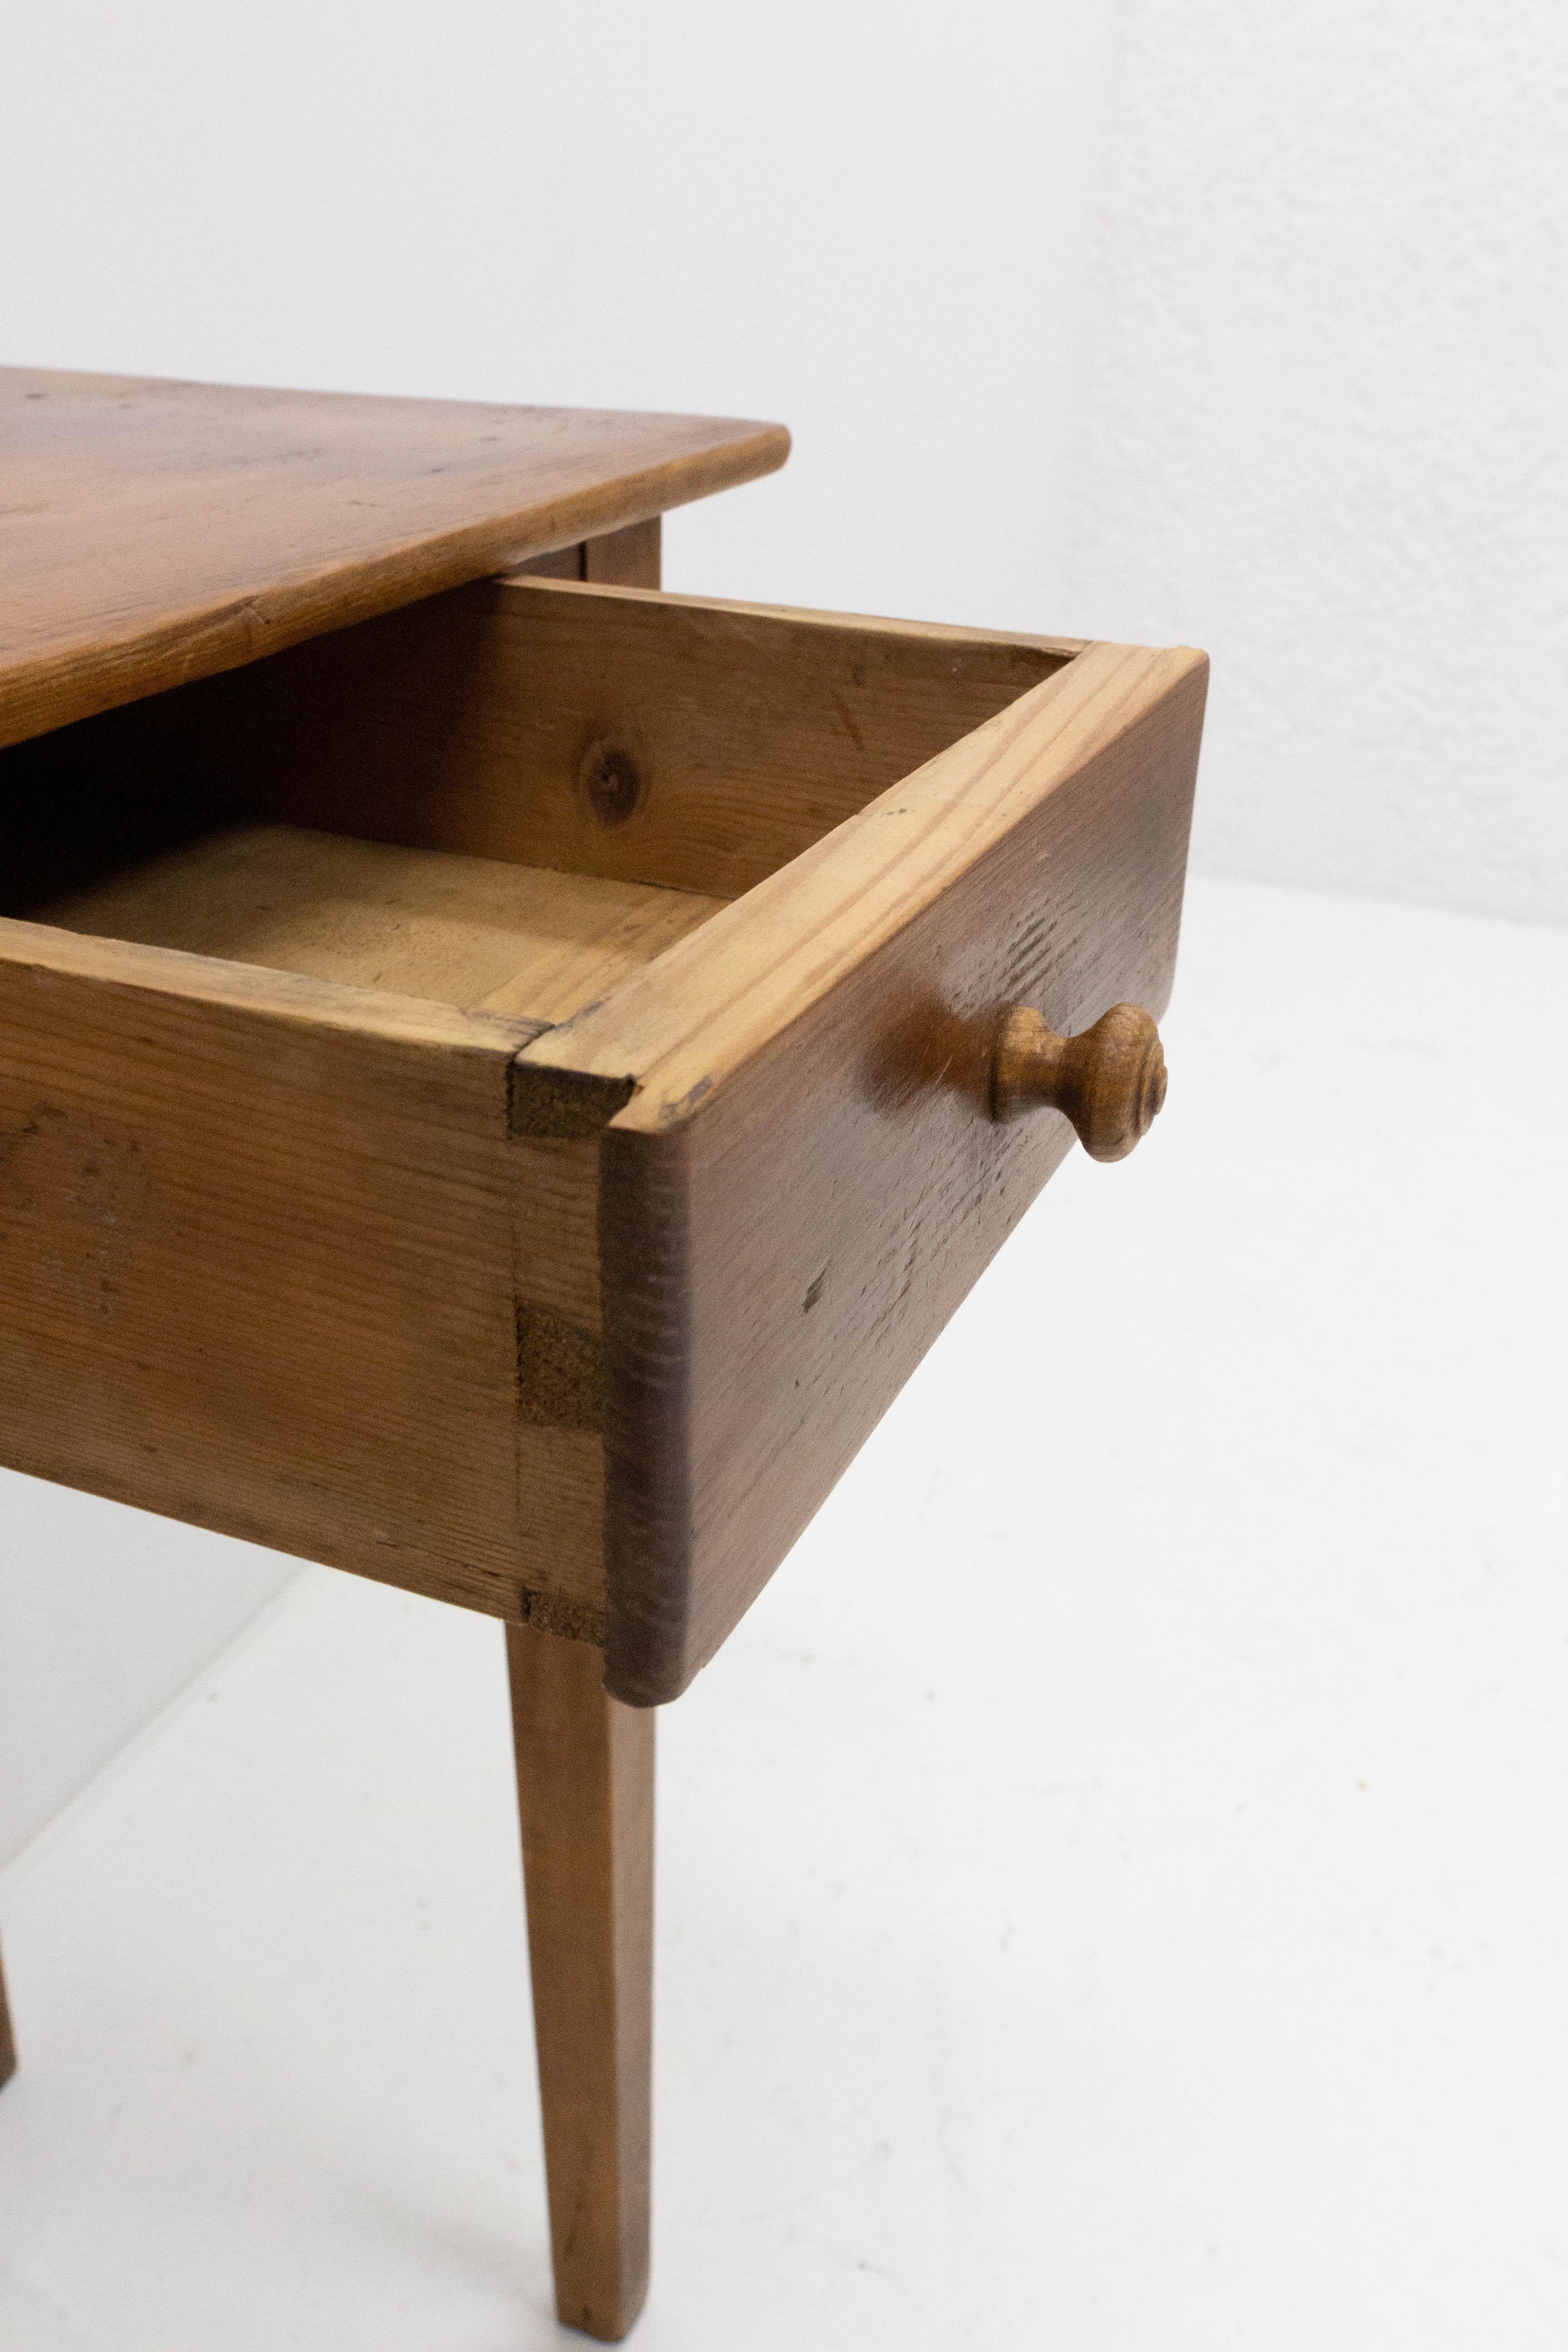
(871, 221)
(105, 1614)
(1331, 413)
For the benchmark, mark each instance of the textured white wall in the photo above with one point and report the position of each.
(1330, 416)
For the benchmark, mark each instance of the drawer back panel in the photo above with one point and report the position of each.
(477, 722)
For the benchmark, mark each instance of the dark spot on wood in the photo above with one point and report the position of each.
(74, 1201)
(562, 1104)
(673, 1113)
(560, 1372)
(611, 780)
(929, 1049)
(569, 1621)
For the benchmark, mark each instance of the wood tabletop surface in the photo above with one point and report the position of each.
(153, 531)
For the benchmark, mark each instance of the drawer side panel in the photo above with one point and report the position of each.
(777, 1262)
(261, 1265)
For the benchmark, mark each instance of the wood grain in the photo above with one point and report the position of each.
(264, 1243)
(586, 1791)
(632, 558)
(155, 531)
(807, 1180)
(617, 559)
(466, 723)
(723, 993)
(1109, 1081)
(561, 563)
(561, 1401)
(467, 932)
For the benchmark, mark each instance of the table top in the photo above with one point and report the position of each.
(153, 531)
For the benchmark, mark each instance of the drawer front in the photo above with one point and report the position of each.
(805, 1179)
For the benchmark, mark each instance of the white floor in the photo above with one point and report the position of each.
(1114, 1889)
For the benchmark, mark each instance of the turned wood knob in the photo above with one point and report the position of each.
(1109, 1081)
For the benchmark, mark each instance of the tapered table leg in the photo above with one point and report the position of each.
(584, 1772)
(7, 2045)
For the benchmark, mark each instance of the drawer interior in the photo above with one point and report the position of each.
(507, 798)
(476, 933)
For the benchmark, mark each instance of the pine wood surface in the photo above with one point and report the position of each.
(467, 932)
(807, 927)
(257, 1264)
(465, 723)
(631, 558)
(807, 1178)
(155, 532)
(585, 1796)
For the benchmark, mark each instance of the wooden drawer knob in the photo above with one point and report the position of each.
(1109, 1081)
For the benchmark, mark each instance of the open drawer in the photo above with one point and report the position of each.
(499, 1097)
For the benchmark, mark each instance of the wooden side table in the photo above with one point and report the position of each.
(503, 1072)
